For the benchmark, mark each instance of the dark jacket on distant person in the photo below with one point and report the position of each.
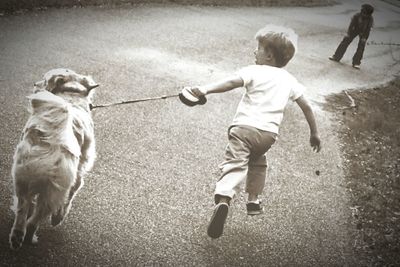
(360, 25)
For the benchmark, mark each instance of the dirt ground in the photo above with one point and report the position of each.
(372, 127)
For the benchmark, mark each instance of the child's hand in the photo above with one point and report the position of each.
(192, 96)
(315, 143)
(197, 91)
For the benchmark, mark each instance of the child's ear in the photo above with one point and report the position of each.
(270, 57)
(268, 53)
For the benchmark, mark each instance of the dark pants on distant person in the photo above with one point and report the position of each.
(346, 42)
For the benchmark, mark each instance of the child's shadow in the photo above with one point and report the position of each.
(244, 242)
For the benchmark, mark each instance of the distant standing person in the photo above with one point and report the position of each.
(360, 25)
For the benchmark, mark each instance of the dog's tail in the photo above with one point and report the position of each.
(50, 198)
(52, 117)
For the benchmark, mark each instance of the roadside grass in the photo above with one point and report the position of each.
(370, 137)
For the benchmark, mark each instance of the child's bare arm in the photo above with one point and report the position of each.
(315, 142)
(218, 87)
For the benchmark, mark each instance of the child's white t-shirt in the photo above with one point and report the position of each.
(268, 90)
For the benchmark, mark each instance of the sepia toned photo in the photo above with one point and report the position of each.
(199, 133)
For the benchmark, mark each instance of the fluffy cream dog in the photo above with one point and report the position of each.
(56, 149)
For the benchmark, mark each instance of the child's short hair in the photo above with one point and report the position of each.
(282, 41)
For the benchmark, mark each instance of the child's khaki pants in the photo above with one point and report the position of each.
(244, 160)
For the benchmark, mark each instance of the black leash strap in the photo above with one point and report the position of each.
(132, 101)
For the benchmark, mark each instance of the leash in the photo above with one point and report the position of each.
(132, 101)
(382, 43)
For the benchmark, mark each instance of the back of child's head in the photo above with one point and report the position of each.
(367, 9)
(281, 40)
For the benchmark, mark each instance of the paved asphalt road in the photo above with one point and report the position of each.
(149, 197)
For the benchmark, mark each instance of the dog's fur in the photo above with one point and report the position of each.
(56, 149)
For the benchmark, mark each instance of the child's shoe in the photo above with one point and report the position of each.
(356, 66)
(216, 225)
(254, 208)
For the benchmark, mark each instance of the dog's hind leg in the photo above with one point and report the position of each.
(47, 202)
(58, 217)
(85, 163)
(39, 214)
(32, 206)
(19, 228)
(72, 193)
